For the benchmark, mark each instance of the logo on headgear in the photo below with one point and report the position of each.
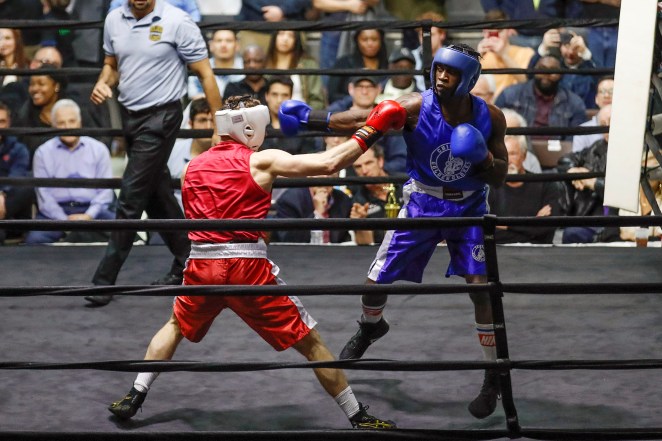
(478, 253)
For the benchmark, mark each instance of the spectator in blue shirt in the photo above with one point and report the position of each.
(15, 201)
(69, 156)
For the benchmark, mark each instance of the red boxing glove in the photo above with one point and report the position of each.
(386, 115)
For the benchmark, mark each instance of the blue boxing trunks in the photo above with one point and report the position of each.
(404, 254)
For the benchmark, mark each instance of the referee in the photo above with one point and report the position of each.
(148, 45)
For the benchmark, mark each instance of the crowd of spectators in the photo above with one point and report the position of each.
(537, 100)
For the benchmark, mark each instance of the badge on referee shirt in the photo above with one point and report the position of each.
(155, 32)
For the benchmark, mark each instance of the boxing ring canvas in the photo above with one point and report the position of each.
(423, 327)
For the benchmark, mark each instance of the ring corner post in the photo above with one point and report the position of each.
(496, 294)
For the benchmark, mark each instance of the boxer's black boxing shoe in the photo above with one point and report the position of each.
(485, 403)
(367, 334)
(363, 420)
(129, 405)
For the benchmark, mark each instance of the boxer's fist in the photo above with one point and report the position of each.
(386, 115)
(468, 143)
(294, 115)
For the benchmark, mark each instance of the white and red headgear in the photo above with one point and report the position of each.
(247, 125)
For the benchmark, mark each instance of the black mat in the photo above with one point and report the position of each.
(61, 329)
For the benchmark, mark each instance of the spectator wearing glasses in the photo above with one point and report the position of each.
(46, 55)
(603, 97)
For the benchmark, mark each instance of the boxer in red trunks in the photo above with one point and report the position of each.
(233, 181)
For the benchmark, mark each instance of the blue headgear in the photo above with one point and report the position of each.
(469, 67)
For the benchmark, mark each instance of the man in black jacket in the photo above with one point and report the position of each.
(521, 198)
(585, 197)
(312, 203)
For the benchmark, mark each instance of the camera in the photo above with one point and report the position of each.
(566, 37)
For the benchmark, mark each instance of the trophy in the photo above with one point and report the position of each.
(392, 207)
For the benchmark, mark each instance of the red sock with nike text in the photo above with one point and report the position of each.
(372, 314)
(486, 339)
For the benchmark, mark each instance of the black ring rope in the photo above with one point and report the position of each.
(240, 290)
(360, 365)
(284, 183)
(326, 25)
(336, 290)
(65, 71)
(342, 435)
(190, 133)
(326, 224)
(302, 435)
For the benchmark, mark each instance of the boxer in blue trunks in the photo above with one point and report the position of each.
(455, 148)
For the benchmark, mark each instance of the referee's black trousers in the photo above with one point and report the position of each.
(151, 134)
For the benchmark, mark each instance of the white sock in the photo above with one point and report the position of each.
(486, 339)
(347, 402)
(144, 380)
(372, 314)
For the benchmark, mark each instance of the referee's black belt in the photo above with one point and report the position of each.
(73, 204)
(150, 110)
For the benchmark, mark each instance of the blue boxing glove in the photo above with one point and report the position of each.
(294, 115)
(468, 143)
